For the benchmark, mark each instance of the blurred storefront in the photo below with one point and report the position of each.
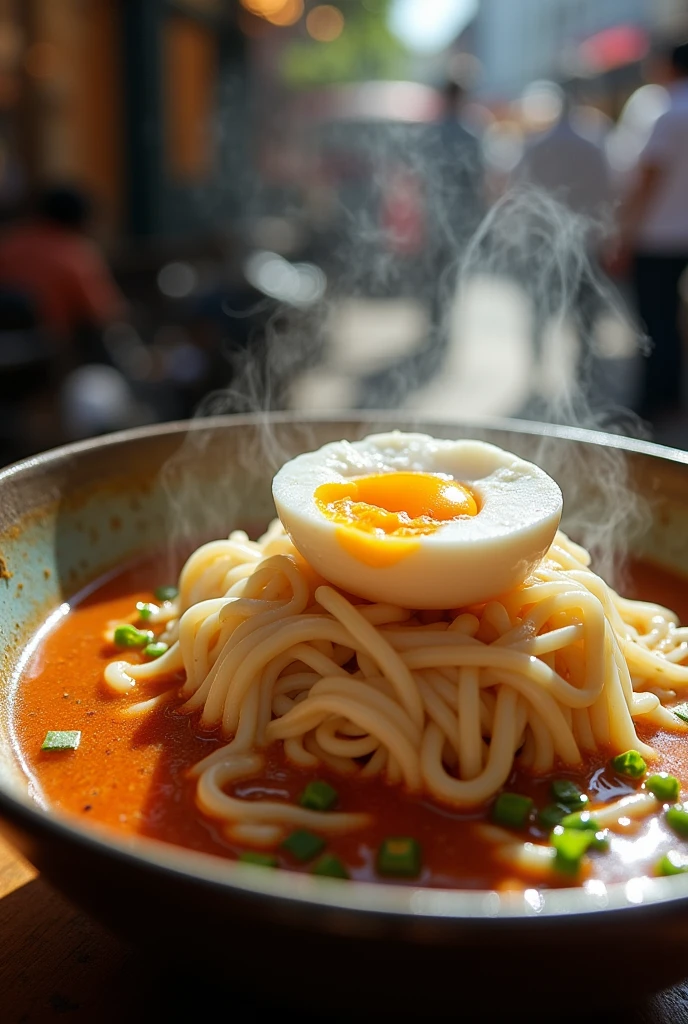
(518, 43)
(174, 111)
(186, 114)
(603, 41)
(141, 100)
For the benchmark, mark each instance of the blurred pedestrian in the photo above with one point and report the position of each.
(460, 167)
(653, 239)
(571, 166)
(50, 259)
(455, 187)
(444, 176)
(50, 267)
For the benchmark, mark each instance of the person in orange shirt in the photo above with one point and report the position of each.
(50, 259)
(56, 296)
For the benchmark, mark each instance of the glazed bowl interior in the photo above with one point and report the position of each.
(71, 516)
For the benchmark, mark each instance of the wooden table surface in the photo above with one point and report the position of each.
(58, 965)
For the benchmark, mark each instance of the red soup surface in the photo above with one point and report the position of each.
(131, 772)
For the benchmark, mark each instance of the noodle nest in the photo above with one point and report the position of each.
(446, 704)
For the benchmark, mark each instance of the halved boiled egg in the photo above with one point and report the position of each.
(416, 521)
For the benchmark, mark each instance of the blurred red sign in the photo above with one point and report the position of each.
(614, 47)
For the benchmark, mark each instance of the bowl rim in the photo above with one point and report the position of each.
(448, 908)
(406, 420)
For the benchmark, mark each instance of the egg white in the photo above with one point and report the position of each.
(467, 561)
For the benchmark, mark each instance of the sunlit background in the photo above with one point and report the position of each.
(265, 197)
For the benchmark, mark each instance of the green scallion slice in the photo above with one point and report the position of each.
(165, 593)
(511, 810)
(551, 815)
(600, 841)
(565, 791)
(330, 866)
(263, 860)
(399, 857)
(630, 763)
(571, 845)
(671, 863)
(681, 711)
(665, 787)
(146, 610)
(303, 845)
(129, 636)
(68, 739)
(155, 650)
(581, 820)
(585, 822)
(319, 796)
(677, 819)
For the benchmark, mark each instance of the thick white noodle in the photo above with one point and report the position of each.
(446, 705)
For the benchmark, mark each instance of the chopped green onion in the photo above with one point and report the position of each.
(677, 819)
(399, 856)
(155, 650)
(600, 840)
(552, 814)
(629, 763)
(129, 636)
(165, 593)
(565, 791)
(68, 740)
(671, 863)
(303, 845)
(330, 866)
(681, 711)
(581, 820)
(146, 610)
(318, 796)
(511, 810)
(664, 787)
(571, 845)
(585, 822)
(264, 860)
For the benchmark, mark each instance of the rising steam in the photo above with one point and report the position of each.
(527, 238)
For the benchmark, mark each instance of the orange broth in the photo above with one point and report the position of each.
(130, 773)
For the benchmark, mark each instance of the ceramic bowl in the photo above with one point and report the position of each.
(71, 515)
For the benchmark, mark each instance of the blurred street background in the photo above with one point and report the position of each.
(460, 207)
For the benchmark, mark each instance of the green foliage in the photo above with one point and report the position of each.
(365, 50)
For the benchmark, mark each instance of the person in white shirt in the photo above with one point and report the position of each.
(654, 241)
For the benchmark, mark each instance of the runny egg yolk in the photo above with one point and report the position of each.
(392, 508)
